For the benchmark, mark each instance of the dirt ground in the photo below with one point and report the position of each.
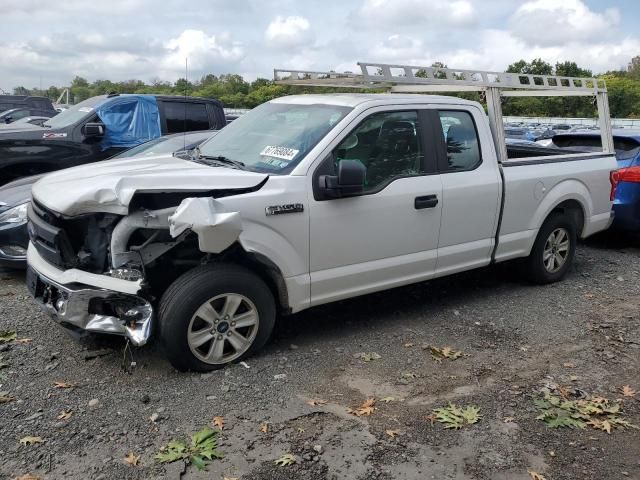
(580, 337)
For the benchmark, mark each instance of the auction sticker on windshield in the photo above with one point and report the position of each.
(279, 152)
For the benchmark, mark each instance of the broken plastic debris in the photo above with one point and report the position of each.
(216, 229)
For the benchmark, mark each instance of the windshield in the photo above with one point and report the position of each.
(74, 113)
(274, 137)
(165, 145)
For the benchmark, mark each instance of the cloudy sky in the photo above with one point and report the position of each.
(51, 42)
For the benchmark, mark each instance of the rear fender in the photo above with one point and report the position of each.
(564, 191)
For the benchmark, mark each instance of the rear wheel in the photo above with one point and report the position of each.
(215, 315)
(553, 251)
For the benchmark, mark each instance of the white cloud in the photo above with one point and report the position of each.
(553, 22)
(202, 51)
(411, 12)
(289, 32)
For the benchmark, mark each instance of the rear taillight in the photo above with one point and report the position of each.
(614, 179)
(628, 174)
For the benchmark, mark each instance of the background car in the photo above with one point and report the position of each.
(15, 196)
(40, 106)
(627, 146)
(36, 121)
(14, 114)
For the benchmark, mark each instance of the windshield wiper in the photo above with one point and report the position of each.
(218, 159)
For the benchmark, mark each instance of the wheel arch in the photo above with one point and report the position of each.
(265, 268)
(568, 197)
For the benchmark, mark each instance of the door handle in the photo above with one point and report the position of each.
(428, 201)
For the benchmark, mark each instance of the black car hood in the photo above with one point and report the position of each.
(17, 192)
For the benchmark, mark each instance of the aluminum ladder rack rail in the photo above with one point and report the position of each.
(423, 79)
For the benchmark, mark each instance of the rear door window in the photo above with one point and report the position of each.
(461, 139)
(185, 117)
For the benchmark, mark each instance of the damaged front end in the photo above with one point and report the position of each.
(103, 272)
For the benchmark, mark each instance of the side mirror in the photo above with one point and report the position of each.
(8, 119)
(93, 129)
(349, 181)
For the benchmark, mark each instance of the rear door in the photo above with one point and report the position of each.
(471, 188)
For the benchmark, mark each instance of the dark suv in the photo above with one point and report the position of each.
(101, 127)
(14, 107)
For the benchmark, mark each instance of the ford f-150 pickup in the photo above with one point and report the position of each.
(302, 201)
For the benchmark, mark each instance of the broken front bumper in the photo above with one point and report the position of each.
(89, 302)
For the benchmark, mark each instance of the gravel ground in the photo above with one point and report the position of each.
(577, 337)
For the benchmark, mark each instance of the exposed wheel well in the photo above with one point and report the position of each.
(186, 256)
(574, 210)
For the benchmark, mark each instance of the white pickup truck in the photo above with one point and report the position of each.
(302, 201)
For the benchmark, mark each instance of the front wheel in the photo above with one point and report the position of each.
(553, 251)
(215, 315)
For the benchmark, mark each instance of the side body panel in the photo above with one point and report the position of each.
(282, 238)
(533, 190)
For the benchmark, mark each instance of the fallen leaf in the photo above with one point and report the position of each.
(132, 459)
(367, 357)
(286, 460)
(29, 476)
(218, 422)
(409, 345)
(387, 399)
(603, 425)
(316, 403)
(23, 340)
(7, 336)
(64, 415)
(456, 417)
(63, 385)
(264, 427)
(28, 440)
(568, 365)
(535, 475)
(564, 392)
(6, 399)
(367, 408)
(443, 353)
(627, 391)
(432, 418)
(392, 433)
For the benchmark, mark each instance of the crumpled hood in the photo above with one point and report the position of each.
(109, 186)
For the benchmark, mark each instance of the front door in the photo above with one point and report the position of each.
(388, 235)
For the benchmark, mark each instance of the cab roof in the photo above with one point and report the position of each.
(355, 99)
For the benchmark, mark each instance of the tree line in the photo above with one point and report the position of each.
(235, 92)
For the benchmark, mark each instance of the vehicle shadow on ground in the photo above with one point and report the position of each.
(387, 308)
(614, 239)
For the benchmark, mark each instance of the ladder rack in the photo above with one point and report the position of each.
(411, 78)
(423, 79)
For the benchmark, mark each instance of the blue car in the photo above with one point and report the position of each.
(626, 203)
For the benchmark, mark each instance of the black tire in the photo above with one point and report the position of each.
(534, 265)
(191, 291)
